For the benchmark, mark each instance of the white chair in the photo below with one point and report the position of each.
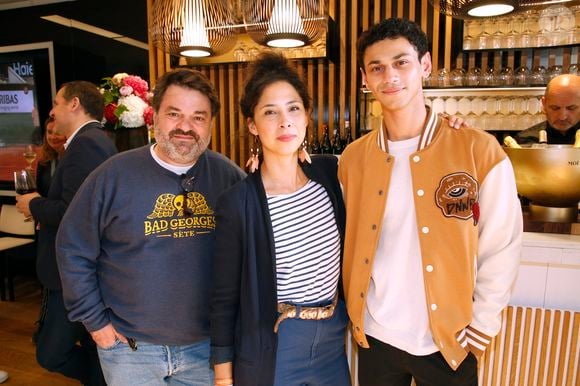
(15, 233)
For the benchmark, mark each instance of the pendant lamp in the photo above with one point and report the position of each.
(285, 23)
(464, 9)
(194, 28)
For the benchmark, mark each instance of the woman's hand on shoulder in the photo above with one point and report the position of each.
(454, 121)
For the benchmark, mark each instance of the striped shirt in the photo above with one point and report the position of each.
(307, 244)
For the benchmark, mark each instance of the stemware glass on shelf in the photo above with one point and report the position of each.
(485, 35)
(530, 28)
(576, 32)
(438, 104)
(545, 27)
(521, 76)
(29, 155)
(488, 77)
(498, 36)
(505, 77)
(468, 27)
(443, 78)
(457, 77)
(554, 71)
(477, 108)
(538, 76)
(562, 23)
(473, 77)
(464, 110)
(512, 38)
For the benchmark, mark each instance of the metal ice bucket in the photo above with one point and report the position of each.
(550, 178)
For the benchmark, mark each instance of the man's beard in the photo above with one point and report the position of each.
(181, 151)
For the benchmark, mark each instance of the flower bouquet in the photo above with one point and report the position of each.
(126, 101)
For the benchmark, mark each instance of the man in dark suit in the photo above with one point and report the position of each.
(77, 112)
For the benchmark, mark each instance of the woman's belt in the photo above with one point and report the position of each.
(307, 313)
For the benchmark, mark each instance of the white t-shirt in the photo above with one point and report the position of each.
(396, 309)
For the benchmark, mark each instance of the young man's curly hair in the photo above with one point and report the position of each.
(392, 28)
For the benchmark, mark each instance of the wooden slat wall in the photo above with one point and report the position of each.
(535, 347)
(334, 86)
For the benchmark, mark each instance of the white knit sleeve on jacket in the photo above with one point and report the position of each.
(499, 249)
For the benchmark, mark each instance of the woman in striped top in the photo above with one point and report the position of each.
(277, 315)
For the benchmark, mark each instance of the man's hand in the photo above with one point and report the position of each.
(106, 336)
(23, 203)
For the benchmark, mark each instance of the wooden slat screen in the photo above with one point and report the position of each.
(535, 347)
(334, 86)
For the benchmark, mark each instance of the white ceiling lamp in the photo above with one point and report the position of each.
(487, 10)
(194, 42)
(285, 23)
(465, 9)
(285, 27)
(194, 28)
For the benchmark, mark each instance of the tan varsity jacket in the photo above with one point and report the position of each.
(447, 171)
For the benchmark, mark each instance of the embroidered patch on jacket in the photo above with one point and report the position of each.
(457, 196)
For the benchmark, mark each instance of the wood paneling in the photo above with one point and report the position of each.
(334, 86)
(534, 347)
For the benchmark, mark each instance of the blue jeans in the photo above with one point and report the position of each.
(312, 352)
(157, 365)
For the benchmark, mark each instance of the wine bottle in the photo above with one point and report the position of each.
(510, 142)
(326, 146)
(314, 144)
(542, 140)
(337, 145)
(543, 137)
(348, 139)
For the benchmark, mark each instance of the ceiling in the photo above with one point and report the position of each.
(11, 4)
(127, 24)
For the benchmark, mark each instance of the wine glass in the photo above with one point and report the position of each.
(24, 184)
(29, 155)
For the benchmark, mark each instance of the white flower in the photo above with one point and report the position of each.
(133, 116)
(118, 78)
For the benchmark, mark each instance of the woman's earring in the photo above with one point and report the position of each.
(303, 155)
(254, 161)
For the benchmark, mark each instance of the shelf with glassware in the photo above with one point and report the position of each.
(501, 111)
(553, 26)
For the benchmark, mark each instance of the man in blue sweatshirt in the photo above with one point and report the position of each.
(135, 246)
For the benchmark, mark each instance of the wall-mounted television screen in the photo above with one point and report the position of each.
(27, 87)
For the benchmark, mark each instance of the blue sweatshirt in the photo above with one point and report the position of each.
(129, 254)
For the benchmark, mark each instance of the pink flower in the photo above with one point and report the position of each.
(126, 90)
(139, 85)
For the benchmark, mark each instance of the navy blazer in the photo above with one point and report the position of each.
(87, 150)
(244, 297)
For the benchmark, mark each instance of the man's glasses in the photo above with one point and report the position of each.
(187, 187)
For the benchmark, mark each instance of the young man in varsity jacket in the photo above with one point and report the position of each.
(434, 227)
